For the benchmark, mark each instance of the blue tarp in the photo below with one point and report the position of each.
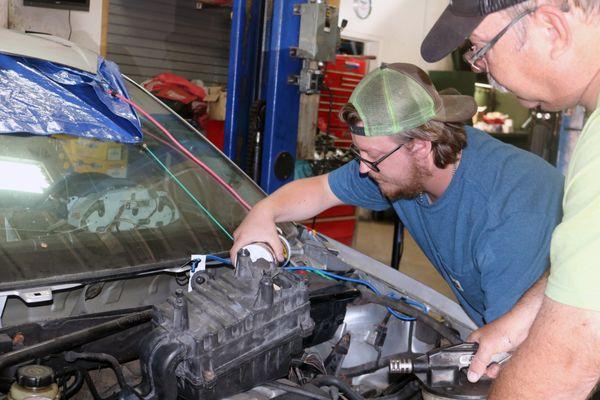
(42, 98)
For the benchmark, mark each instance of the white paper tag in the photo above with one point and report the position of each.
(198, 264)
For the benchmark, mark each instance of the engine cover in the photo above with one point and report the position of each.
(234, 330)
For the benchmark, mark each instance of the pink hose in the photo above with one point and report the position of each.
(185, 151)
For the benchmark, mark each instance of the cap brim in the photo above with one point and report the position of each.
(449, 32)
(456, 108)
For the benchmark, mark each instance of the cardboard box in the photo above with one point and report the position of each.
(216, 98)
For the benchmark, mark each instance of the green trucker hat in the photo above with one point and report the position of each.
(398, 97)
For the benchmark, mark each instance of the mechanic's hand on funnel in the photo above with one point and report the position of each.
(258, 226)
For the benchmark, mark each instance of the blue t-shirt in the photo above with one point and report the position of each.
(489, 233)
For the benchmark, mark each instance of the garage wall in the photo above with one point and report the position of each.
(3, 13)
(395, 29)
(86, 26)
(147, 37)
(171, 34)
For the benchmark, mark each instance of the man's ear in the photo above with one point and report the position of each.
(419, 149)
(555, 28)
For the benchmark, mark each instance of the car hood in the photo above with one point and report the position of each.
(48, 48)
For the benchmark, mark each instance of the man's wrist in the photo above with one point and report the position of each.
(519, 321)
(264, 211)
(527, 308)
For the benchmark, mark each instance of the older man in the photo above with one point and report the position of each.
(546, 52)
(481, 210)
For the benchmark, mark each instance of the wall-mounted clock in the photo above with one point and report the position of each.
(362, 8)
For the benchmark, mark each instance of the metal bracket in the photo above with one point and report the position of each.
(319, 31)
(38, 295)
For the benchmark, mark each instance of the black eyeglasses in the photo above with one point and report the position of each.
(476, 58)
(372, 164)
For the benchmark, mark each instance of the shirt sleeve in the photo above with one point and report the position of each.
(350, 187)
(575, 274)
(512, 256)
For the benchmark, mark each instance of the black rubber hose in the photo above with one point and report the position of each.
(74, 339)
(72, 390)
(114, 364)
(404, 308)
(330, 380)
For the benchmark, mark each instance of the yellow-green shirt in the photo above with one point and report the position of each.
(575, 250)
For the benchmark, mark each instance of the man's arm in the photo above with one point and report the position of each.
(513, 259)
(507, 332)
(559, 359)
(297, 200)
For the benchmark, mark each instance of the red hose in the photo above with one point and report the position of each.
(186, 151)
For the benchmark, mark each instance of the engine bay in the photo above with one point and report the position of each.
(317, 328)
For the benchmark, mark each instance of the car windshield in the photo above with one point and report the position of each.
(81, 208)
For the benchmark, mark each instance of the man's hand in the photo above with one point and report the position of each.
(258, 226)
(298, 200)
(497, 337)
(506, 333)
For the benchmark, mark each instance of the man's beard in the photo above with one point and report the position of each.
(409, 188)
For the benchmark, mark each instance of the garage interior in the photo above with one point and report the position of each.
(263, 83)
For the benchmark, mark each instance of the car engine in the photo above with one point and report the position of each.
(258, 331)
(229, 331)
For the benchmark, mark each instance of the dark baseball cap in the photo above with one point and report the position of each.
(398, 97)
(456, 23)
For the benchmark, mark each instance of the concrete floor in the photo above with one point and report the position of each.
(375, 239)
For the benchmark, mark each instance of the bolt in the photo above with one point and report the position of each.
(18, 339)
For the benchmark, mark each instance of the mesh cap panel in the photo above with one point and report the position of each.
(390, 102)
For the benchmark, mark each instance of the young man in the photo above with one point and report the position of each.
(546, 52)
(482, 211)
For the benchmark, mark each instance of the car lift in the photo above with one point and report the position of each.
(276, 49)
(266, 79)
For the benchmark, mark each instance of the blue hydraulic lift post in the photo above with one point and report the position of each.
(282, 98)
(244, 53)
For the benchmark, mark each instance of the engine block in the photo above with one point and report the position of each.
(232, 331)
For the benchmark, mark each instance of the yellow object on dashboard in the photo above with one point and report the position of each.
(90, 155)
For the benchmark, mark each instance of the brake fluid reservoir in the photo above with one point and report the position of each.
(34, 382)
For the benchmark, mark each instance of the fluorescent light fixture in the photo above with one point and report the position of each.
(23, 176)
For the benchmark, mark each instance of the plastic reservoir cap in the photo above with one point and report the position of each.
(35, 376)
(260, 250)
